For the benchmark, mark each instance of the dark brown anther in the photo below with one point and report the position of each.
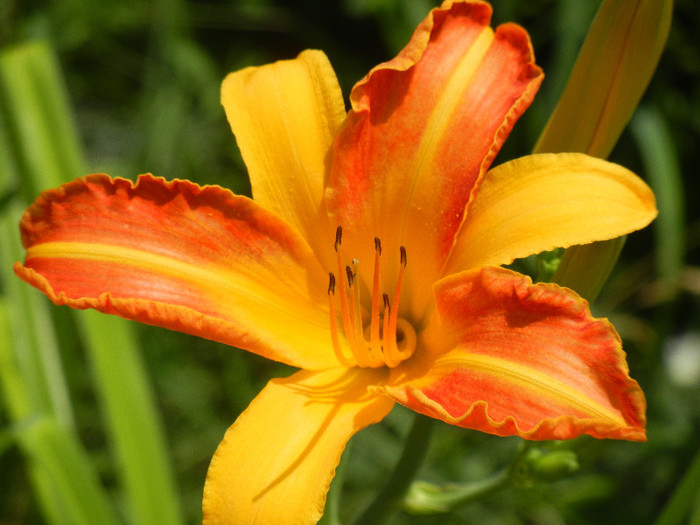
(386, 300)
(377, 246)
(351, 276)
(331, 283)
(403, 256)
(338, 237)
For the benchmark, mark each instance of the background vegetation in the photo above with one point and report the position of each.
(120, 421)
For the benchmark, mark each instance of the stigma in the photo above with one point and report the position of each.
(381, 338)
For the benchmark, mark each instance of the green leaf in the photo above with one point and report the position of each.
(47, 151)
(62, 464)
(612, 71)
(661, 167)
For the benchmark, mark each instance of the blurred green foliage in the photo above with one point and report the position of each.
(143, 80)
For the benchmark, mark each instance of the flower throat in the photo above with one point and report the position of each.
(386, 340)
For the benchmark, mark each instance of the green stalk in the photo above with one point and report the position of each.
(415, 449)
(44, 140)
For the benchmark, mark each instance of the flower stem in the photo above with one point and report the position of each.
(412, 456)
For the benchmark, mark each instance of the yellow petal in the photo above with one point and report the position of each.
(277, 460)
(541, 202)
(285, 116)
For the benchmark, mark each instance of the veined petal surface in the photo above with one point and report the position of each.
(513, 358)
(285, 117)
(423, 129)
(547, 201)
(199, 260)
(277, 460)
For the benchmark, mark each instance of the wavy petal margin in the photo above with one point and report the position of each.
(521, 359)
(547, 201)
(285, 117)
(199, 260)
(277, 460)
(423, 129)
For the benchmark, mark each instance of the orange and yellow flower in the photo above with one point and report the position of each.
(369, 258)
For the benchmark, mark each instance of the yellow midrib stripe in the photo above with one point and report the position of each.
(201, 276)
(447, 103)
(541, 382)
(161, 264)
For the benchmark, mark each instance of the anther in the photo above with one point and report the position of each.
(402, 250)
(351, 276)
(331, 283)
(377, 245)
(338, 237)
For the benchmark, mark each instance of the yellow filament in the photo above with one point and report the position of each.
(375, 340)
(345, 309)
(391, 352)
(334, 327)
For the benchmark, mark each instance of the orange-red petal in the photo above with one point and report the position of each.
(423, 129)
(513, 358)
(200, 260)
(277, 460)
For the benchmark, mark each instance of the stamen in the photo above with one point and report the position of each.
(334, 325)
(355, 311)
(347, 309)
(387, 340)
(385, 323)
(374, 359)
(375, 340)
(391, 351)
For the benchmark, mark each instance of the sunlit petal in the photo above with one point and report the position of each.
(423, 129)
(285, 116)
(200, 260)
(276, 462)
(542, 202)
(512, 358)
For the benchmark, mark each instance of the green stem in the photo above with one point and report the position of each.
(412, 456)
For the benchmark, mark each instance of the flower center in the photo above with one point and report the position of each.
(386, 340)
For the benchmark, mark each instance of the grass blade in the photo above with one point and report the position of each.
(48, 153)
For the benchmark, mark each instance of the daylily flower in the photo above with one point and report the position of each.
(369, 258)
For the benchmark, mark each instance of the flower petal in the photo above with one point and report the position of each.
(521, 359)
(423, 129)
(285, 116)
(200, 260)
(541, 202)
(277, 460)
